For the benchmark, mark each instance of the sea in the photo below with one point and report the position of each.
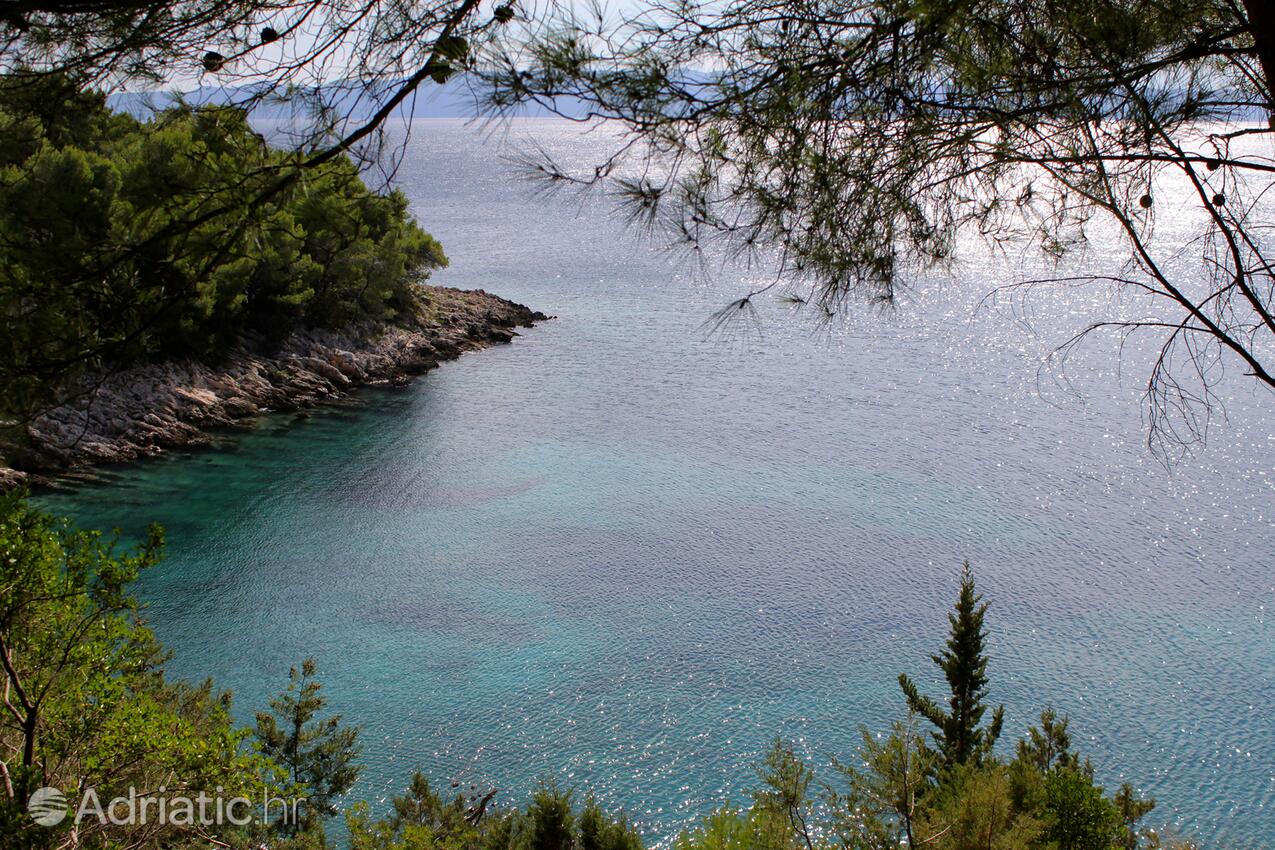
(629, 550)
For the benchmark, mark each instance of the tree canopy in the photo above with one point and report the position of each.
(123, 240)
(86, 703)
(855, 142)
(862, 140)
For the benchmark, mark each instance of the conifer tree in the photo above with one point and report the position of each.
(1048, 746)
(960, 738)
(551, 820)
(318, 753)
(1133, 809)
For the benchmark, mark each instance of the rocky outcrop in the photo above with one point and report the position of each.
(142, 410)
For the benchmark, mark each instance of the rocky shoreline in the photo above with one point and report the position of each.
(144, 410)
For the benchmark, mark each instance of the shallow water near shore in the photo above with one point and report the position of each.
(626, 555)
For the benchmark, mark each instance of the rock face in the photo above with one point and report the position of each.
(143, 410)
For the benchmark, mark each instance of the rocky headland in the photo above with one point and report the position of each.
(142, 410)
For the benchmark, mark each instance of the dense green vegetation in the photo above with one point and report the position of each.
(123, 240)
(86, 702)
(87, 706)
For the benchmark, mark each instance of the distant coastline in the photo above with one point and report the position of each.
(143, 410)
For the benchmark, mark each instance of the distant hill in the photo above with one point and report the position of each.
(452, 100)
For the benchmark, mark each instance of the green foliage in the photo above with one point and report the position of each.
(884, 791)
(1049, 745)
(1080, 818)
(780, 806)
(552, 822)
(1132, 810)
(87, 702)
(122, 241)
(961, 796)
(894, 797)
(728, 828)
(597, 831)
(421, 819)
(974, 810)
(319, 753)
(964, 665)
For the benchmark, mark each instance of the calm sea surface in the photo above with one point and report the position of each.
(626, 555)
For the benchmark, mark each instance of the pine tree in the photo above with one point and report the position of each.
(551, 821)
(960, 738)
(318, 753)
(1133, 809)
(1048, 746)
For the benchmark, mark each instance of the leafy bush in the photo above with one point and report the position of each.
(86, 702)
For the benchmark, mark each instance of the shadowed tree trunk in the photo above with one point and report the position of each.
(1261, 23)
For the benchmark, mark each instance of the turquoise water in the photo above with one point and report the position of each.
(627, 555)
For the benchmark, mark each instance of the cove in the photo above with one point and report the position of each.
(627, 555)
